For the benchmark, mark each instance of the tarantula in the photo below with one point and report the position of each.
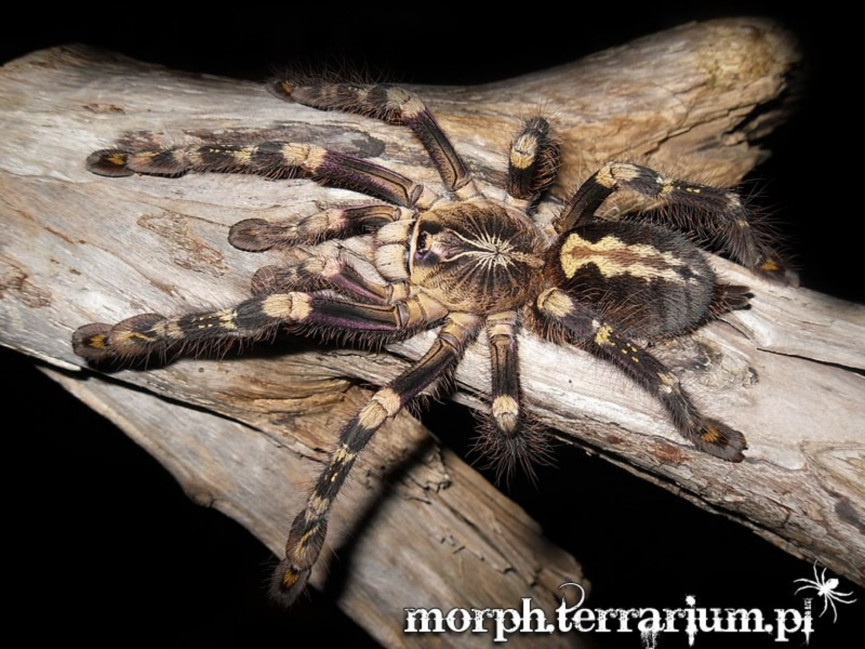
(463, 265)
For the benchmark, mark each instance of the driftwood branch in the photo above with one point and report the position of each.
(249, 435)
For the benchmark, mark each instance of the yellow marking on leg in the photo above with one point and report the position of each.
(118, 159)
(520, 159)
(228, 320)
(612, 173)
(389, 400)
(98, 341)
(711, 435)
(172, 330)
(307, 536)
(290, 578)
(604, 177)
(384, 404)
(294, 307)
(419, 309)
(410, 313)
(397, 292)
(317, 505)
(243, 156)
(407, 103)
(372, 416)
(342, 456)
(603, 336)
(555, 303)
(624, 171)
(135, 335)
(506, 411)
(770, 266)
(501, 324)
(524, 151)
(467, 192)
(305, 156)
(223, 319)
(669, 382)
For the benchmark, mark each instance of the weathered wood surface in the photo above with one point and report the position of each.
(249, 435)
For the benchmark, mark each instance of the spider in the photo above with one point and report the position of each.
(826, 589)
(465, 265)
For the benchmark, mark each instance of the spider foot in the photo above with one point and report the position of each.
(288, 583)
(772, 269)
(132, 337)
(522, 446)
(301, 552)
(157, 162)
(251, 235)
(720, 440)
(390, 104)
(109, 162)
(729, 297)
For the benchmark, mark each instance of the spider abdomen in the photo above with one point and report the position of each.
(648, 281)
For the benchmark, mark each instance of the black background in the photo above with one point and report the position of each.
(104, 546)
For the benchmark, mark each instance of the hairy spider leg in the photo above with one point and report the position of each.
(283, 159)
(151, 333)
(273, 159)
(316, 270)
(533, 162)
(307, 534)
(585, 327)
(534, 153)
(511, 440)
(502, 340)
(392, 105)
(257, 317)
(258, 235)
(718, 212)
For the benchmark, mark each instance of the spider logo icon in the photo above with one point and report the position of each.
(826, 589)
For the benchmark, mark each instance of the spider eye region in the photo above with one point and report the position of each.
(426, 237)
(439, 245)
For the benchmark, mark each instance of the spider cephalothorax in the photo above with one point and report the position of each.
(472, 263)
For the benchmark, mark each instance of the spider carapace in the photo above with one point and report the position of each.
(461, 265)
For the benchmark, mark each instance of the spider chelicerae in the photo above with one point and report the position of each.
(462, 265)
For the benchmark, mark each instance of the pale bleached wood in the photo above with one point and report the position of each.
(80, 248)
